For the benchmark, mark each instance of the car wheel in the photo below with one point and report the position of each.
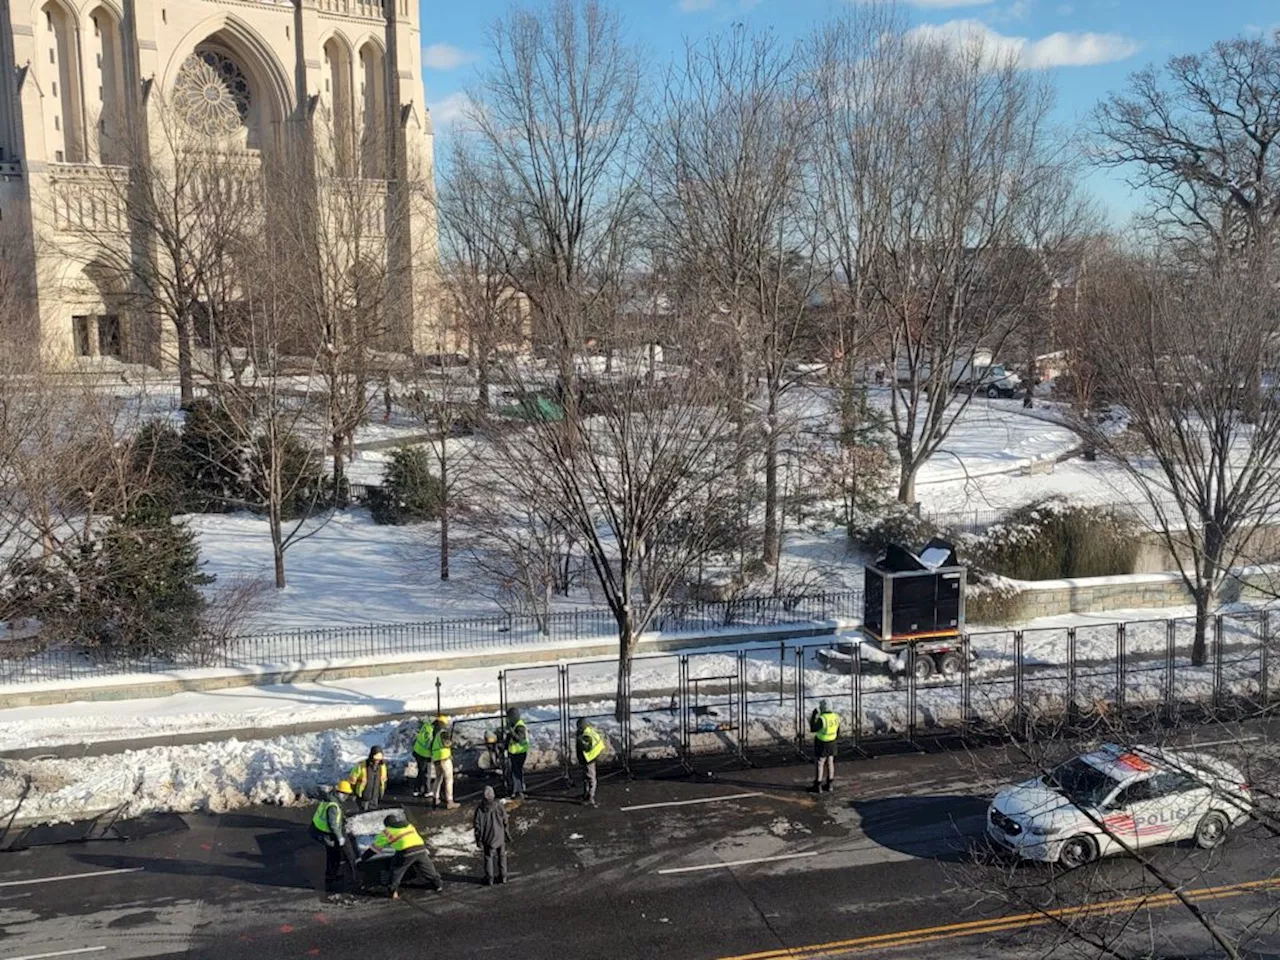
(1076, 852)
(951, 665)
(923, 667)
(993, 392)
(1211, 830)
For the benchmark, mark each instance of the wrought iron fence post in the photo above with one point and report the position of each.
(1073, 709)
(911, 693)
(742, 705)
(1019, 717)
(1121, 672)
(1264, 660)
(855, 684)
(565, 707)
(801, 687)
(1218, 641)
(1170, 666)
(782, 671)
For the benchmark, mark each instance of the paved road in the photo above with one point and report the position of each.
(883, 867)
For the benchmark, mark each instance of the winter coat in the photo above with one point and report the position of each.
(490, 824)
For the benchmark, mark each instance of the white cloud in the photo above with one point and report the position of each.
(449, 110)
(695, 6)
(1056, 50)
(445, 56)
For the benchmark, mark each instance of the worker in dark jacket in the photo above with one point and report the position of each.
(490, 823)
(328, 826)
(517, 751)
(410, 860)
(825, 727)
(369, 780)
(590, 746)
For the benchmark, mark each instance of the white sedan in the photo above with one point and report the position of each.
(1117, 798)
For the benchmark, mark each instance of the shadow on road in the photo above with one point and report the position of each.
(940, 828)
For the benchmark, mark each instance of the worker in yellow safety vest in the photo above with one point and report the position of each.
(422, 756)
(517, 751)
(369, 780)
(590, 745)
(825, 727)
(441, 752)
(409, 859)
(328, 826)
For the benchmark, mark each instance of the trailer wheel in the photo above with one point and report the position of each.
(923, 668)
(950, 665)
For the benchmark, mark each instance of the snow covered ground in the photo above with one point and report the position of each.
(224, 774)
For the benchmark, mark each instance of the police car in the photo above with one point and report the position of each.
(1113, 798)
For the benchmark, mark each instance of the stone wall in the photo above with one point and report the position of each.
(1049, 598)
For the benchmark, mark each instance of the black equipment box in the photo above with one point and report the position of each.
(909, 597)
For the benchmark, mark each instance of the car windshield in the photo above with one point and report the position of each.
(1079, 782)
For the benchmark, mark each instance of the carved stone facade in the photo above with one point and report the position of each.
(79, 88)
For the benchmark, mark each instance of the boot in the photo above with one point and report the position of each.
(488, 881)
(816, 788)
(827, 786)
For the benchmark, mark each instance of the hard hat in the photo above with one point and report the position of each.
(344, 786)
(442, 719)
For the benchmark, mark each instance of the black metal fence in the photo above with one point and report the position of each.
(25, 662)
(1085, 680)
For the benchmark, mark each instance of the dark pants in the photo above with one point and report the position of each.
(335, 852)
(414, 867)
(517, 772)
(495, 857)
(424, 772)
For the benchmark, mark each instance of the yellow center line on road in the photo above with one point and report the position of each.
(973, 928)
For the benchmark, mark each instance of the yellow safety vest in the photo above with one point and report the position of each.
(439, 751)
(594, 745)
(514, 746)
(422, 742)
(830, 727)
(359, 775)
(320, 819)
(399, 838)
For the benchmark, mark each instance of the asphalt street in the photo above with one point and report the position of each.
(741, 864)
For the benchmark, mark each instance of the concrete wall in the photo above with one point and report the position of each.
(1051, 598)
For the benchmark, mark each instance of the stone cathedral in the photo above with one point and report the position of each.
(83, 79)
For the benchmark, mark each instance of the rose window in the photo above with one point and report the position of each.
(212, 94)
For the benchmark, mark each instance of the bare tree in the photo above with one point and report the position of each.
(627, 473)
(731, 174)
(955, 191)
(1199, 139)
(1183, 352)
(554, 124)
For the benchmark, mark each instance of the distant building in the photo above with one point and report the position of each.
(80, 82)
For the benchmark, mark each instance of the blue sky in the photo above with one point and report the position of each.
(1089, 46)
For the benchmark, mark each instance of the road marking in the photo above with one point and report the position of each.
(972, 928)
(742, 863)
(685, 803)
(69, 876)
(61, 953)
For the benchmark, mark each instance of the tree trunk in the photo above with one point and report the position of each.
(482, 380)
(186, 366)
(626, 645)
(907, 483)
(1200, 644)
(339, 474)
(444, 510)
(277, 542)
(772, 545)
